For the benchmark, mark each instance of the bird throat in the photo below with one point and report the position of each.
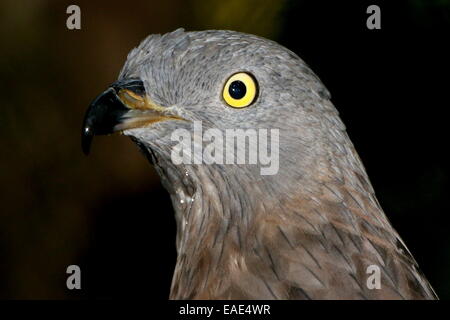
(214, 212)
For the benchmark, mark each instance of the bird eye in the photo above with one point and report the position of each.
(240, 90)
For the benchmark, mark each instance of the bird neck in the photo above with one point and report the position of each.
(227, 217)
(213, 212)
(211, 206)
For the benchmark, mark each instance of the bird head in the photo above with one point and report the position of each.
(223, 80)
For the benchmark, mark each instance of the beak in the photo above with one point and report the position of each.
(124, 105)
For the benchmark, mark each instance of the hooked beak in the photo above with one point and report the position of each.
(124, 105)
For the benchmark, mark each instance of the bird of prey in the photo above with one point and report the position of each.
(312, 230)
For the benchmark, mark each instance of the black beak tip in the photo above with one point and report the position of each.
(106, 111)
(86, 139)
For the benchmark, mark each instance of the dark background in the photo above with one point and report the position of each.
(108, 213)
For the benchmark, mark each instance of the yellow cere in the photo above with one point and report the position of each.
(240, 90)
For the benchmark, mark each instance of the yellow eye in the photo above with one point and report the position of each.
(240, 90)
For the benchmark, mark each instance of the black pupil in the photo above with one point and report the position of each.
(237, 89)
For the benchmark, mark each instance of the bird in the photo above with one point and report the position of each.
(311, 229)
